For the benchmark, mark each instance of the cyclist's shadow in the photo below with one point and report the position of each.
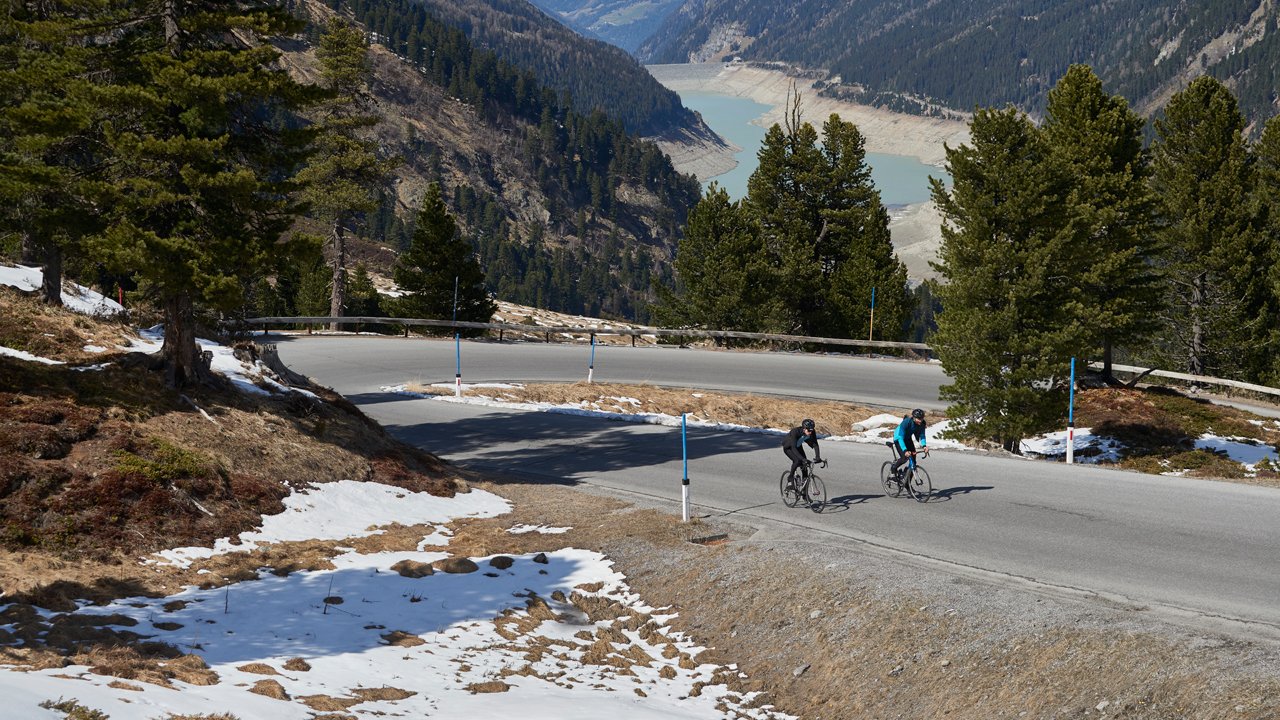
(844, 502)
(948, 493)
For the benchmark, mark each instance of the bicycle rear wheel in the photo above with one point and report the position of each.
(891, 486)
(788, 491)
(816, 494)
(921, 486)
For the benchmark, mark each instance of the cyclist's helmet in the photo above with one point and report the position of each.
(807, 424)
(918, 414)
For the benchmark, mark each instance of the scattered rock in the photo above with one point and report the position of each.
(815, 614)
(455, 565)
(413, 569)
(896, 671)
(502, 562)
(946, 663)
(541, 558)
(800, 670)
(333, 600)
(1102, 705)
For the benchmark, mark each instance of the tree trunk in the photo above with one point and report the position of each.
(172, 37)
(338, 299)
(51, 286)
(1195, 359)
(184, 364)
(30, 250)
(1107, 377)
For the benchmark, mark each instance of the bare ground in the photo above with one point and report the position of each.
(873, 637)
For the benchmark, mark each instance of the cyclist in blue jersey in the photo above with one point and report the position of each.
(793, 445)
(909, 431)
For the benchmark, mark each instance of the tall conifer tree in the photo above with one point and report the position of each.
(1267, 193)
(728, 283)
(1097, 140)
(342, 179)
(51, 123)
(1011, 309)
(1215, 261)
(202, 160)
(825, 230)
(439, 264)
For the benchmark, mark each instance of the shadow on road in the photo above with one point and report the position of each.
(566, 447)
(948, 493)
(842, 503)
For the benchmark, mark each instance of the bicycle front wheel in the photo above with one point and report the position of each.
(891, 486)
(790, 497)
(817, 494)
(921, 486)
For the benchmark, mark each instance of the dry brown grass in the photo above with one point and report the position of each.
(269, 688)
(868, 656)
(60, 334)
(835, 418)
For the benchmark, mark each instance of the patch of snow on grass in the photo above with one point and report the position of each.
(1088, 448)
(24, 355)
(1246, 451)
(345, 509)
(74, 297)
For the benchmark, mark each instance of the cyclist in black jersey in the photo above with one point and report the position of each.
(793, 445)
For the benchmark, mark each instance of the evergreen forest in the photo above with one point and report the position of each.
(930, 57)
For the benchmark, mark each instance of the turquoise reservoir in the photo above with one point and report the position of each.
(901, 180)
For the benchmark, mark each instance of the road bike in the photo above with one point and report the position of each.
(807, 489)
(911, 480)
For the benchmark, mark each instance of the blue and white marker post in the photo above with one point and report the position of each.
(591, 366)
(457, 344)
(684, 484)
(871, 330)
(1071, 417)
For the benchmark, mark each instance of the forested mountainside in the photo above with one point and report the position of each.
(625, 23)
(906, 54)
(567, 211)
(594, 73)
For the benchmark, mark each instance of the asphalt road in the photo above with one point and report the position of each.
(1202, 552)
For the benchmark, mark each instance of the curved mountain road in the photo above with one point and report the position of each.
(1202, 552)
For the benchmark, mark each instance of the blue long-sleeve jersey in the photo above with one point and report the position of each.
(908, 428)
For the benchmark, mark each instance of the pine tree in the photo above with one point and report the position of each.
(1011, 309)
(1215, 260)
(821, 222)
(51, 118)
(725, 273)
(342, 180)
(202, 159)
(439, 266)
(1097, 140)
(1267, 194)
(362, 297)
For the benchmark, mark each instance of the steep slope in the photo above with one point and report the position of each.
(567, 212)
(905, 53)
(595, 74)
(624, 23)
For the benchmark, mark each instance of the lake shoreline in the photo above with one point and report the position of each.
(915, 228)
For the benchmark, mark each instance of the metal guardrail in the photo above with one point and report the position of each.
(1186, 377)
(713, 334)
(577, 330)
